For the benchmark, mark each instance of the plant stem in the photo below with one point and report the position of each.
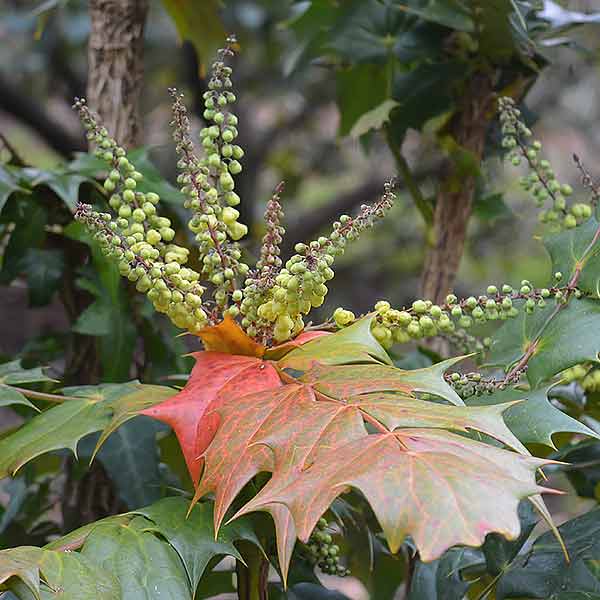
(252, 578)
(422, 204)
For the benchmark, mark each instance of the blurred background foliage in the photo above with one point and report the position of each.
(334, 98)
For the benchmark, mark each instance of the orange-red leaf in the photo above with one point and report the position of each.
(215, 378)
(316, 439)
(230, 338)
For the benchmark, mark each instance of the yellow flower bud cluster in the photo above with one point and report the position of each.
(139, 238)
(301, 285)
(171, 288)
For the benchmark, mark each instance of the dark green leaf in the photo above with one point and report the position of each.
(500, 552)
(96, 319)
(567, 250)
(87, 164)
(198, 23)
(490, 206)
(60, 427)
(450, 13)
(64, 184)
(441, 579)
(10, 396)
(378, 32)
(305, 591)
(13, 373)
(374, 119)
(423, 93)
(75, 576)
(312, 28)
(90, 166)
(153, 180)
(144, 565)
(569, 338)
(17, 492)
(583, 470)
(359, 89)
(44, 270)
(30, 221)
(543, 572)
(8, 185)
(63, 426)
(109, 317)
(193, 536)
(130, 457)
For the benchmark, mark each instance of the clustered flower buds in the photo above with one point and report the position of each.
(474, 384)
(171, 288)
(274, 298)
(208, 183)
(139, 238)
(262, 280)
(323, 552)
(301, 284)
(541, 182)
(424, 319)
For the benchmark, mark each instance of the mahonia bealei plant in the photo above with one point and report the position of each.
(269, 300)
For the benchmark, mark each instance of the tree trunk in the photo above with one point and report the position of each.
(116, 64)
(115, 70)
(455, 194)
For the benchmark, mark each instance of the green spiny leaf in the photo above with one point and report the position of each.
(534, 420)
(569, 338)
(64, 425)
(570, 251)
(193, 535)
(543, 571)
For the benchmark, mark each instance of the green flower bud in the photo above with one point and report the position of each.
(478, 313)
(153, 237)
(435, 311)
(238, 152)
(226, 181)
(456, 312)
(235, 167)
(139, 216)
(471, 302)
(419, 306)
(167, 233)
